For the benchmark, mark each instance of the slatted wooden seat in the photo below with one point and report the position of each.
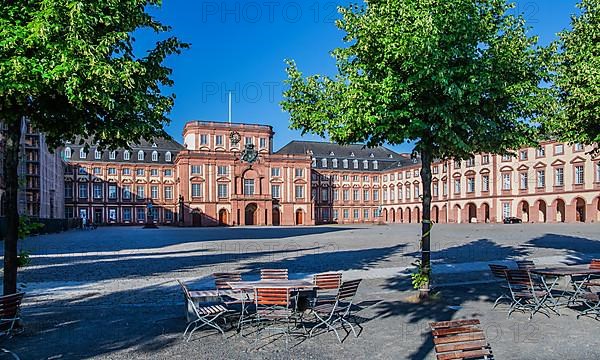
(274, 274)
(525, 264)
(10, 312)
(527, 293)
(499, 272)
(274, 311)
(206, 314)
(460, 339)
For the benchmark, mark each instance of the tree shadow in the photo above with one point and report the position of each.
(578, 250)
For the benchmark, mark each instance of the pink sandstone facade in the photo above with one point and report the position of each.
(211, 181)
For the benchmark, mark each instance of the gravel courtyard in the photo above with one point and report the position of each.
(110, 293)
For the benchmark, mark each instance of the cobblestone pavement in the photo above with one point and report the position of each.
(110, 293)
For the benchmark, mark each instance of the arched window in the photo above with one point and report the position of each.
(112, 155)
(314, 162)
(98, 154)
(324, 163)
(355, 163)
(126, 155)
(365, 164)
(334, 163)
(375, 165)
(140, 155)
(82, 154)
(154, 156)
(68, 153)
(345, 163)
(168, 156)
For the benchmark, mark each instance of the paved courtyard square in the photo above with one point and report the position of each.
(111, 292)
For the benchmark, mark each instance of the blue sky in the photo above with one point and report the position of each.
(240, 46)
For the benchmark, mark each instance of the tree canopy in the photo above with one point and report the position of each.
(577, 79)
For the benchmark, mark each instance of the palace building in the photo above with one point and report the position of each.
(227, 174)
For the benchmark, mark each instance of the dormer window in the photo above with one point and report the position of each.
(352, 154)
(82, 153)
(345, 163)
(126, 155)
(68, 153)
(153, 145)
(375, 165)
(371, 155)
(324, 163)
(140, 155)
(112, 155)
(154, 156)
(355, 163)
(98, 154)
(365, 164)
(331, 153)
(391, 156)
(334, 163)
(168, 156)
(314, 162)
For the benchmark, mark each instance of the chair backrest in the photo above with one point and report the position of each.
(274, 274)
(327, 281)
(595, 264)
(271, 297)
(459, 339)
(10, 311)
(525, 264)
(186, 291)
(498, 270)
(223, 279)
(348, 290)
(519, 279)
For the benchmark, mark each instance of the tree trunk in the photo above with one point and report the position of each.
(11, 167)
(426, 160)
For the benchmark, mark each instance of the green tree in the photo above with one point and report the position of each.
(456, 77)
(577, 79)
(69, 68)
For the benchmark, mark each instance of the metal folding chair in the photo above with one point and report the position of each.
(206, 314)
(460, 339)
(273, 274)
(592, 303)
(527, 293)
(233, 298)
(329, 314)
(274, 306)
(499, 272)
(525, 264)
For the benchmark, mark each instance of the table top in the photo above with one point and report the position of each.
(566, 270)
(279, 284)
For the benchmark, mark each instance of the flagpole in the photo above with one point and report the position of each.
(230, 107)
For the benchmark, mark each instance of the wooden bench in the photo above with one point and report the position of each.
(460, 339)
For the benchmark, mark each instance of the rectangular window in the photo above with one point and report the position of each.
(126, 171)
(485, 183)
(97, 171)
(559, 149)
(140, 192)
(365, 178)
(579, 175)
(336, 195)
(407, 192)
(457, 164)
(140, 214)
(471, 184)
(598, 172)
(168, 192)
(299, 172)
(263, 143)
(470, 162)
(276, 191)
(222, 191)
(68, 190)
(222, 170)
(356, 213)
(168, 172)
(346, 195)
(485, 159)
(299, 192)
(346, 214)
(196, 169)
(154, 192)
(112, 192)
(203, 139)
(524, 181)
(540, 151)
(276, 172)
(168, 215)
(541, 178)
(196, 190)
(578, 147)
(559, 177)
(399, 193)
(434, 170)
(83, 191)
(506, 183)
(248, 186)
(366, 195)
(139, 172)
(506, 210)
(523, 155)
(436, 190)
(219, 140)
(506, 157)
(325, 194)
(336, 214)
(366, 213)
(82, 171)
(356, 195)
(416, 187)
(112, 171)
(126, 192)
(248, 140)
(97, 191)
(375, 195)
(355, 178)
(153, 172)
(385, 195)
(457, 186)
(127, 214)
(445, 188)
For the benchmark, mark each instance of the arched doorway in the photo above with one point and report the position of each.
(435, 214)
(524, 211)
(385, 215)
(486, 212)
(560, 210)
(223, 217)
(299, 217)
(417, 215)
(276, 216)
(472, 213)
(580, 210)
(393, 215)
(542, 211)
(457, 214)
(196, 218)
(400, 215)
(250, 214)
(408, 216)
